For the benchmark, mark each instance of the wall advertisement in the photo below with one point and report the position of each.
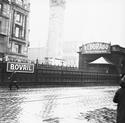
(20, 67)
(96, 47)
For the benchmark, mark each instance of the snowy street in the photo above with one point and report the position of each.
(53, 105)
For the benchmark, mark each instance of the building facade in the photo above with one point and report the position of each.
(55, 34)
(102, 57)
(14, 29)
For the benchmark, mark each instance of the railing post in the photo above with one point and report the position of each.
(36, 70)
(2, 70)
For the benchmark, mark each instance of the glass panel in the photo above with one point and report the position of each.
(18, 17)
(17, 32)
(1, 6)
(19, 48)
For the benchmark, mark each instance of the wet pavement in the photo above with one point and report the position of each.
(53, 105)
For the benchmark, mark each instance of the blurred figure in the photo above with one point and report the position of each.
(13, 81)
(119, 98)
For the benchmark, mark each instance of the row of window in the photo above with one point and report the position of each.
(19, 32)
(19, 18)
(25, 4)
(4, 9)
(19, 2)
(18, 48)
(20, 25)
(4, 26)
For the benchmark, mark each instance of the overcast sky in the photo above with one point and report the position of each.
(85, 21)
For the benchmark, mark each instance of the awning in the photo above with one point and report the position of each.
(100, 60)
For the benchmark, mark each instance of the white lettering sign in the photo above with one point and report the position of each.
(96, 47)
(20, 67)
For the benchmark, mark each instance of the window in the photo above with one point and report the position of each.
(18, 48)
(20, 2)
(17, 32)
(1, 7)
(20, 25)
(18, 17)
(4, 25)
(0, 26)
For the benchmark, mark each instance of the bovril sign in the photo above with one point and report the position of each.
(20, 67)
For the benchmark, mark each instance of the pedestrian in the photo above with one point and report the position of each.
(13, 81)
(119, 98)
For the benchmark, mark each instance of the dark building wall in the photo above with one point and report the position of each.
(85, 59)
(116, 57)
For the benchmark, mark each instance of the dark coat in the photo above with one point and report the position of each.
(119, 98)
(12, 77)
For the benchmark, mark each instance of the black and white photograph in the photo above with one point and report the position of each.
(62, 61)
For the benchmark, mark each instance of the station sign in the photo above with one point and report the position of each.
(20, 67)
(96, 47)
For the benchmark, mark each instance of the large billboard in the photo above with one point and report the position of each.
(20, 67)
(95, 48)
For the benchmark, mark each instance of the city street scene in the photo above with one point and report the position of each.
(58, 105)
(62, 61)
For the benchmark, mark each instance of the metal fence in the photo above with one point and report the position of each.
(59, 76)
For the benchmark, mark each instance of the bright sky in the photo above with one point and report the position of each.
(85, 21)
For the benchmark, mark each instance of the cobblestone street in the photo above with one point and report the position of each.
(53, 105)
